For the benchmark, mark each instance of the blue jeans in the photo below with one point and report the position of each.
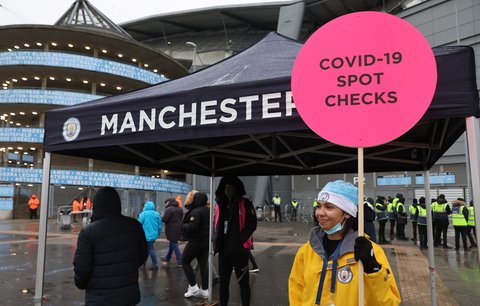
(173, 247)
(151, 251)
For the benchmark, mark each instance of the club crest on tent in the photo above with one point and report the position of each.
(71, 129)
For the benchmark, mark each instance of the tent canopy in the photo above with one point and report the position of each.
(238, 117)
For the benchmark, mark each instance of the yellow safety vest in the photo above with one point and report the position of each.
(277, 200)
(458, 219)
(471, 216)
(422, 215)
(294, 204)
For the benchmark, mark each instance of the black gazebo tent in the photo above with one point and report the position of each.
(238, 117)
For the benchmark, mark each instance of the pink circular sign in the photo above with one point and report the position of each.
(364, 79)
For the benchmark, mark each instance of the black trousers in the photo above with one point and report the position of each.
(225, 266)
(441, 227)
(198, 250)
(33, 213)
(381, 230)
(460, 231)
(278, 212)
(473, 241)
(392, 226)
(252, 260)
(422, 235)
(400, 230)
(414, 228)
(294, 214)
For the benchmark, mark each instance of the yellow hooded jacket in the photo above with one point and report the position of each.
(380, 287)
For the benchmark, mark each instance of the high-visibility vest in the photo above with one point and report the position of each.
(458, 219)
(422, 215)
(439, 211)
(391, 211)
(294, 204)
(400, 204)
(381, 214)
(471, 216)
(315, 204)
(413, 212)
(277, 200)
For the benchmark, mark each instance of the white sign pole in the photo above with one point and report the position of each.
(361, 297)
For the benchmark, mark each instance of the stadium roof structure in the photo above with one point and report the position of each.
(263, 16)
(237, 117)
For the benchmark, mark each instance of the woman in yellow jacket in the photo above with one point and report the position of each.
(325, 270)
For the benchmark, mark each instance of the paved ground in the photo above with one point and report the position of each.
(275, 247)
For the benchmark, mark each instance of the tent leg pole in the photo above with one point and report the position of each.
(431, 261)
(210, 240)
(473, 139)
(42, 234)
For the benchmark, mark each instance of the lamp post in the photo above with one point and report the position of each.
(194, 45)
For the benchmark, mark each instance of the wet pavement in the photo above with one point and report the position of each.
(275, 248)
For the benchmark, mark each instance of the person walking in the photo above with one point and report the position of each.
(460, 223)
(76, 208)
(235, 223)
(152, 225)
(413, 210)
(172, 218)
(277, 202)
(380, 210)
(324, 271)
(109, 252)
(471, 226)
(294, 210)
(402, 217)
(422, 223)
(195, 229)
(33, 204)
(440, 214)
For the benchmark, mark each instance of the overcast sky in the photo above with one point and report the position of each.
(119, 11)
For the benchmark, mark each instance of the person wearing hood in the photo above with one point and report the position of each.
(109, 252)
(401, 216)
(235, 222)
(369, 218)
(325, 269)
(33, 204)
(152, 226)
(441, 210)
(195, 229)
(460, 223)
(172, 218)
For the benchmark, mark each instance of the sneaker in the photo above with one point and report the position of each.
(179, 266)
(153, 267)
(192, 290)
(164, 259)
(254, 270)
(202, 294)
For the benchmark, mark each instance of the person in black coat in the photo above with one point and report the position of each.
(369, 219)
(109, 252)
(235, 222)
(195, 229)
(173, 224)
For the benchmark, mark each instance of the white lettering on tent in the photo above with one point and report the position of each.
(267, 105)
(289, 105)
(192, 115)
(150, 121)
(204, 112)
(161, 117)
(248, 105)
(108, 124)
(128, 123)
(225, 109)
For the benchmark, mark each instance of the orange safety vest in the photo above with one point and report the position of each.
(76, 206)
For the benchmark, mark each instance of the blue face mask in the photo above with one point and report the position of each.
(336, 228)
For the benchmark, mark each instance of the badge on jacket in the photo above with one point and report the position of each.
(344, 275)
(192, 218)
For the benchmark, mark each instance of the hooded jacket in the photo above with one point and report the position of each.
(196, 223)
(173, 220)
(231, 242)
(380, 287)
(34, 202)
(151, 222)
(109, 252)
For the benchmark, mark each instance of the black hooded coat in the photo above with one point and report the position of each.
(173, 220)
(196, 223)
(109, 252)
(231, 242)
